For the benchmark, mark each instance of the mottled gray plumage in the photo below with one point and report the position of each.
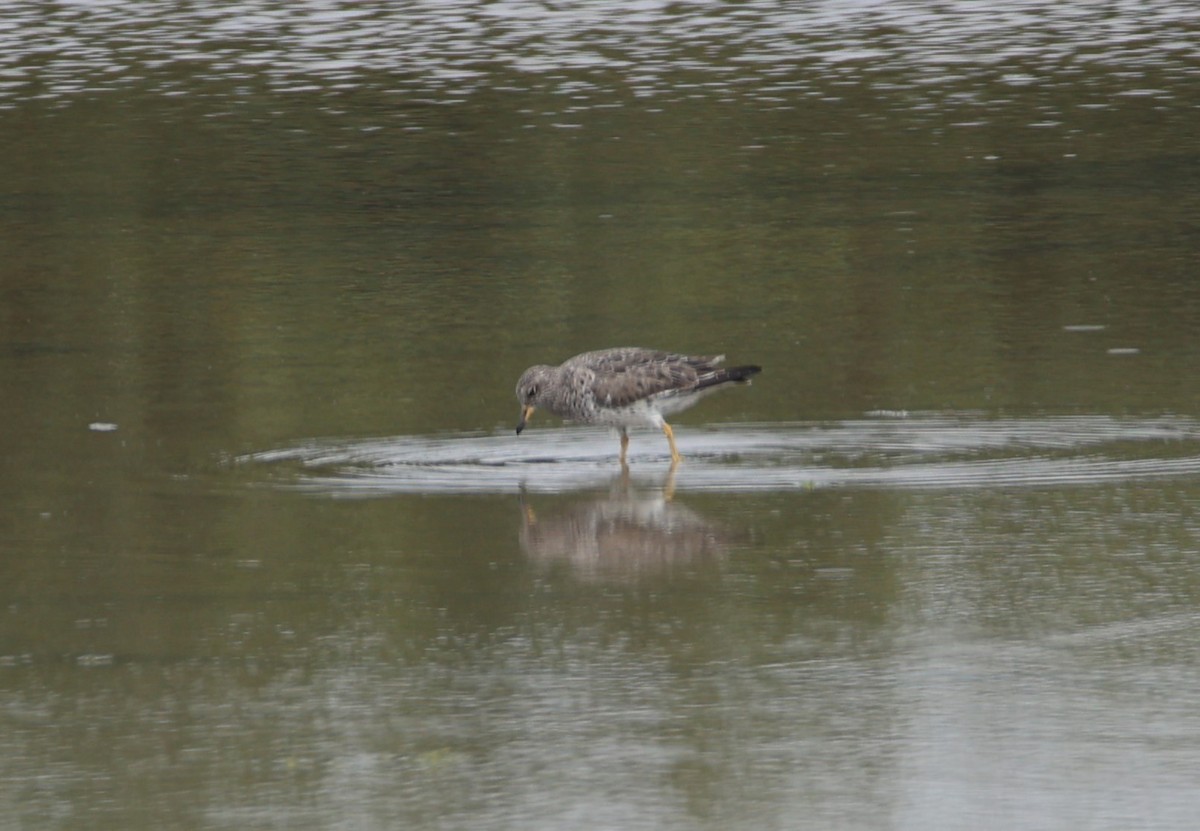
(625, 387)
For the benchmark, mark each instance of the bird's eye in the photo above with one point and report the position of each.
(532, 394)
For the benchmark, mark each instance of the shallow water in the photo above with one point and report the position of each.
(896, 452)
(271, 555)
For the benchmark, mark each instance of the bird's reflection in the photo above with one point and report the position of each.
(623, 535)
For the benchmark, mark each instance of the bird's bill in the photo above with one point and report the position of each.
(526, 414)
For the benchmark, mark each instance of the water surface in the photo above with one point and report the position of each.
(272, 557)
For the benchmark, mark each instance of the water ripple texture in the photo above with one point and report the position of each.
(911, 452)
(451, 48)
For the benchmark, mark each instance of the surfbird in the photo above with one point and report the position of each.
(626, 387)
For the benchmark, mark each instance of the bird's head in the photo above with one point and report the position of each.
(530, 391)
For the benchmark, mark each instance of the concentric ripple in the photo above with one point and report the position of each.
(919, 451)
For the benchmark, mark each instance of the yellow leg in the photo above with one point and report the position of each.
(670, 434)
(624, 446)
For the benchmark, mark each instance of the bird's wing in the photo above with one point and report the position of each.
(619, 378)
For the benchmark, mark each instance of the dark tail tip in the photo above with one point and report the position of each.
(742, 373)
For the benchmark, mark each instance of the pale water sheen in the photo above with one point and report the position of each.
(919, 450)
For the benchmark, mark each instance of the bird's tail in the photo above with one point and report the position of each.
(742, 374)
(734, 374)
